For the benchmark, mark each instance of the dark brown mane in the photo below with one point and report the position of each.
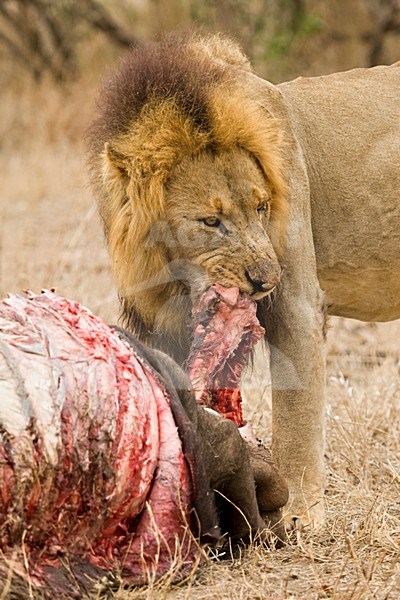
(170, 69)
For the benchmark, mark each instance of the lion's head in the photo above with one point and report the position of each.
(187, 167)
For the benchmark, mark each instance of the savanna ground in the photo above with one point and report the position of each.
(50, 236)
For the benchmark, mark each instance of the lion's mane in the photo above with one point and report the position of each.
(178, 97)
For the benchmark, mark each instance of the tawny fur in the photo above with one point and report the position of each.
(175, 139)
(178, 98)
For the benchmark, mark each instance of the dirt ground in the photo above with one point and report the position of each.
(50, 236)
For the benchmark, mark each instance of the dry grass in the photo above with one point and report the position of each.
(50, 237)
(50, 234)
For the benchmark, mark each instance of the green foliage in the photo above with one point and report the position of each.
(296, 23)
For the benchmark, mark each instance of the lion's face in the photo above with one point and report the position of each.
(217, 211)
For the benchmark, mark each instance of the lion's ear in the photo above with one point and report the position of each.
(116, 161)
(116, 175)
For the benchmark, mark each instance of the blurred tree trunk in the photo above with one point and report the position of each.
(42, 35)
(386, 17)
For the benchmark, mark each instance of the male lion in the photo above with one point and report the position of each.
(206, 173)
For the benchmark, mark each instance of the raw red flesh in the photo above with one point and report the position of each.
(91, 464)
(226, 329)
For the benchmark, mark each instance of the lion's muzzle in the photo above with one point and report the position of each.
(263, 277)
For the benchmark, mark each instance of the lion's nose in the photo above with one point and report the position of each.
(263, 280)
(258, 285)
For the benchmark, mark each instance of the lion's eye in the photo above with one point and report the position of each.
(211, 221)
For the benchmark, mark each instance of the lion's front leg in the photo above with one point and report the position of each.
(297, 349)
